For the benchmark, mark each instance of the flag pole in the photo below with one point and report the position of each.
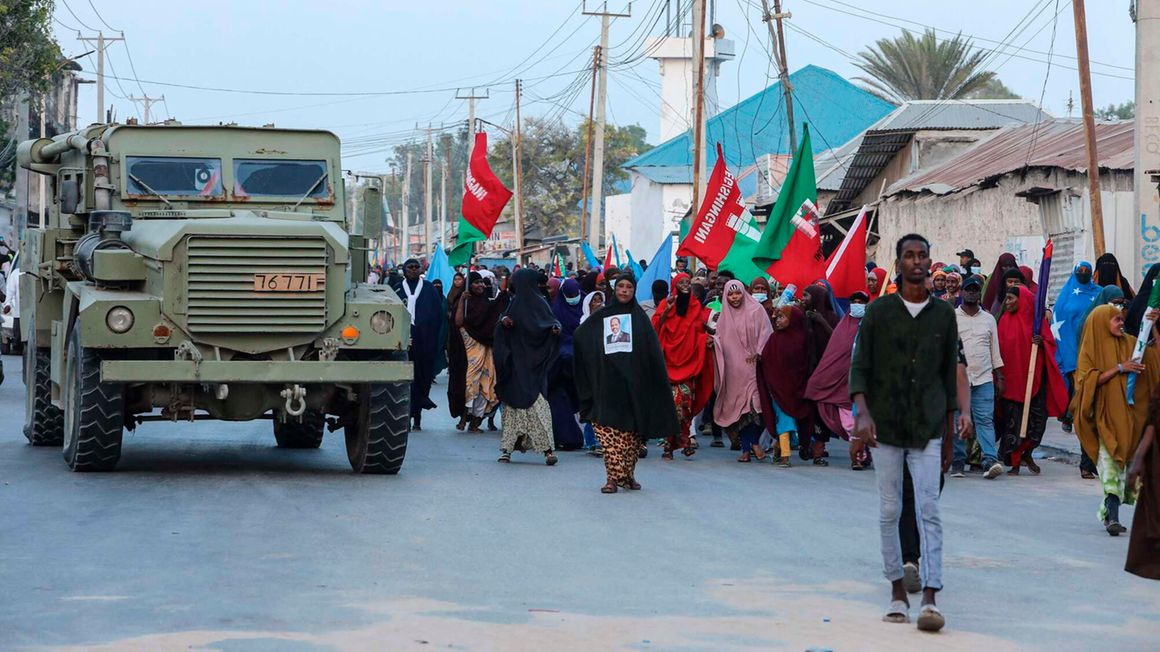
(1027, 392)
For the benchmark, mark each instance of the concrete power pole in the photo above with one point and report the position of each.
(588, 148)
(1089, 126)
(471, 96)
(783, 63)
(518, 173)
(446, 170)
(698, 37)
(405, 218)
(594, 223)
(100, 42)
(428, 212)
(147, 103)
(1147, 134)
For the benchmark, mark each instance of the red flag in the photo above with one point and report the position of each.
(802, 261)
(484, 197)
(608, 257)
(846, 268)
(722, 235)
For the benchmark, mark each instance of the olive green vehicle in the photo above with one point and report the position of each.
(189, 272)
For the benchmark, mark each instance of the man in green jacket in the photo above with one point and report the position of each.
(903, 384)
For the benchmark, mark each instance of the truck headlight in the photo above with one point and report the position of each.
(382, 322)
(119, 319)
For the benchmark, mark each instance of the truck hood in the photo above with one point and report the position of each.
(157, 238)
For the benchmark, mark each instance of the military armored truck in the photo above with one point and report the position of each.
(193, 272)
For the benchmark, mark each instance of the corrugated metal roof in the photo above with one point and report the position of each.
(835, 109)
(928, 114)
(1057, 143)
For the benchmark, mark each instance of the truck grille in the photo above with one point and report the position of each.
(221, 296)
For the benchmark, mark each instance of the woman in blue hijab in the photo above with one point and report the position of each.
(1071, 307)
(562, 395)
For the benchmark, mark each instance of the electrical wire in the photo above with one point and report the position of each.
(76, 17)
(1043, 91)
(100, 17)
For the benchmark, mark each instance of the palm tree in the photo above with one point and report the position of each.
(923, 68)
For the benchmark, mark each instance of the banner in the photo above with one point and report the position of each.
(484, 197)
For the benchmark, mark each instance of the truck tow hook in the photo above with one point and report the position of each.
(295, 400)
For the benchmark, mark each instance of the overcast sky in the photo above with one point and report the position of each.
(364, 46)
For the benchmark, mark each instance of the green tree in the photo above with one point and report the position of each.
(994, 90)
(925, 67)
(28, 52)
(1125, 111)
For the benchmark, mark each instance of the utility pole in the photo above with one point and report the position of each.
(147, 103)
(594, 229)
(1089, 126)
(588, 146)
(405, 242)
(443, 191)
(778, 38)
(1147, 137)
(518, 172)
(100, 41)
(698, 37)
(428, 212)
(471, 96)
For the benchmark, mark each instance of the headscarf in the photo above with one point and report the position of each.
(1070, 307)
(820, 303)
(1029, 277)
(839, 305)
(768, 303)
(829, 382)
(1107, 294)
(682, 337)
(741, 333)
(785, 368)
(453, 293)
(625, 390)
(996, 286)
(524, 353)
(879, 274)
(482, 312)
(428, 336)
(1101, 413)
(1139, 305)
(567, 314)
(586, 305)
(1107, 272)
(1015, 349)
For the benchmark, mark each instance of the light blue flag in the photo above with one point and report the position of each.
(616, 251)
(440, 269)
(593, 261)
(660, 267)
(635, 266)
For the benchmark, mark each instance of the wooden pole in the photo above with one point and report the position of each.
(1027, 392)
(588, 144)
(783, 64)
(519, 178)
(698, 37)
(1089, 126)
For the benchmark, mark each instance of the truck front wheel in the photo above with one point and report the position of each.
(306, 433)
(376, 439)
(44, 422)
(94, 415)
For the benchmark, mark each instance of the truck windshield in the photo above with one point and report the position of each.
(174, 176)
(280, 178)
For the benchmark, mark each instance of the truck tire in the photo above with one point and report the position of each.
(94, 417)
(300, 434)
(44, 422)
(376, 441)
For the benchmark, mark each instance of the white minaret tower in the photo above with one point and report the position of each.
(675, 55)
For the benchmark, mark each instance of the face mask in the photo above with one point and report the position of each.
(572, 300)
(857, 310)
(760, 297)
(976, 270)
(1083, 277)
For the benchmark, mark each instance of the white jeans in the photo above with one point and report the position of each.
(925, 466)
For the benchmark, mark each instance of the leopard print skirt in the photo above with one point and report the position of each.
(621, 449)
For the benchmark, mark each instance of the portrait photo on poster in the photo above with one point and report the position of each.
(618, 334)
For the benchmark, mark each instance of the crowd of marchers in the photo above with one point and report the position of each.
(934, 369)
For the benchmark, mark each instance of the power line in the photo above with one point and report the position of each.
(76, 17)
(1043, 91)
(101, 18)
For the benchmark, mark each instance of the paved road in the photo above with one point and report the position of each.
(208, 537)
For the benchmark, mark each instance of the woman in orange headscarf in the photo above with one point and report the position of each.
(680, 326)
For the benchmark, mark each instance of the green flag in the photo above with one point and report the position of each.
(799, 185)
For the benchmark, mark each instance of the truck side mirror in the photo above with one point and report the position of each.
(370, 213)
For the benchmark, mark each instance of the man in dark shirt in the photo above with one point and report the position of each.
(903, 380)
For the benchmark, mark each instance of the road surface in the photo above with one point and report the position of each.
(210, 538)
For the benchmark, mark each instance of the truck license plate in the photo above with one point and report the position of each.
(289, 282)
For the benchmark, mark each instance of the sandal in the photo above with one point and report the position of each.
(632, 484)
(930, 619)
(821, 461)
(784, 463)
(1087, 475)
(744, 458)
(1114, 528)
(504, 456)
(462, 423)
(856, 466)
(689, 451)
(898, 612)
(758, 454)
(608, 488)
(550, 458)
(667, 455)
(1031, 465)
